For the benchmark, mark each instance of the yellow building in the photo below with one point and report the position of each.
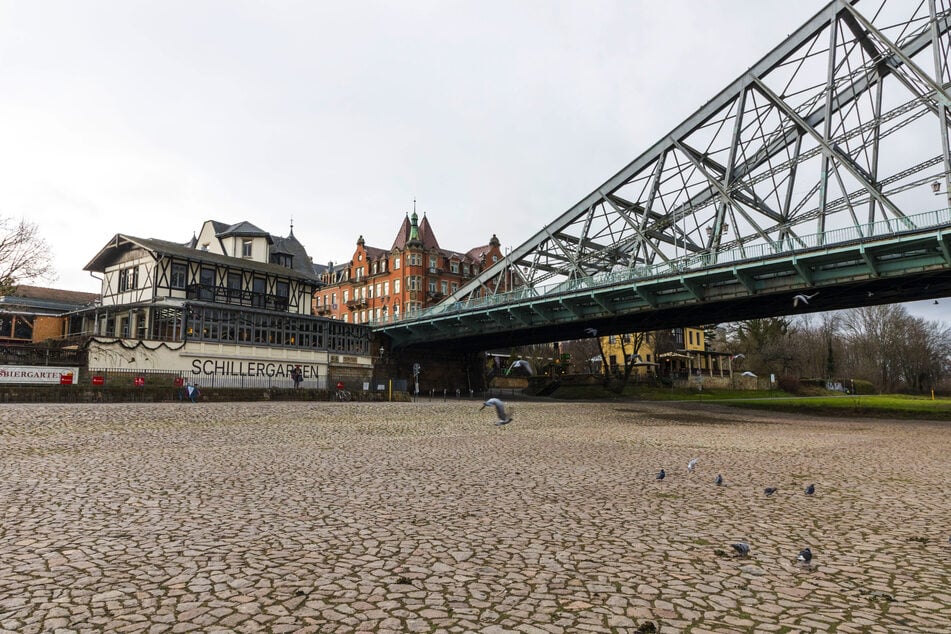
(688, 356)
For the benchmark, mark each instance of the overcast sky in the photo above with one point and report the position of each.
(148, 118)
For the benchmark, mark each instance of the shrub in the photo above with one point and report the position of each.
(789, 383)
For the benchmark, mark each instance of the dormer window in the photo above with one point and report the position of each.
(246, 244)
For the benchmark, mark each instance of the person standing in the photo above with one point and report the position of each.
(298, 375)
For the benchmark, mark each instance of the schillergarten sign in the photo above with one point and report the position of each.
(44, 374)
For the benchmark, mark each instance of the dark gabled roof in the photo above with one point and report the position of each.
(243, 229)
(476, 253)
(427, 235)
(47, 299)
(402, 235)
(375, 253)
(290, 245)
(122, 242)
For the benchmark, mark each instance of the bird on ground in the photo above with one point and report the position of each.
(692, 464)
(805, 556)
(741, 548)
(719, 480)
(935, 302)
(661, 475)
(810, 489)
(802, 298)
(769, 491)
(499, 406)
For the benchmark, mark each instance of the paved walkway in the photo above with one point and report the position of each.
(350, 517)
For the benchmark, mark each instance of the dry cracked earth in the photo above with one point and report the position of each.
(425, 517)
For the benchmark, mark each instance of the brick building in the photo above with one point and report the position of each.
(381, 285)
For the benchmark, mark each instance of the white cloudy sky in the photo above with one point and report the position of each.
(147, 118)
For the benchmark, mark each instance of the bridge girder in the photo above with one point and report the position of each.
(785, 180)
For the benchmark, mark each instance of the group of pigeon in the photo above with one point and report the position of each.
(742, 548)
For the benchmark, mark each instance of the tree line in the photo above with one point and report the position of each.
(884, 345)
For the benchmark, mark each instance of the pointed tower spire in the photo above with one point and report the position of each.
(414, 228)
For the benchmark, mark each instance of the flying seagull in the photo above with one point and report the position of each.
(661, 475)
(593, 332)
(719, 480)
(802, 298)
(499, 406)
(741, 548)
(805, 556)
(692, 464)
(769, 491)
(810, 489)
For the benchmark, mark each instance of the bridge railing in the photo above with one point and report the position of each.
(720, 257)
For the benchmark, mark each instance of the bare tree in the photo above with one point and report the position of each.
(874, 334)
(24, 255)
(767, 344)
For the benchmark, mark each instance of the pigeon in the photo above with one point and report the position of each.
(741, 548)
(593, 332)
(661, 475)
(769, 491)
(719, 480)
(692, 464)
(499, 406)
(805, 556)
(810, 489)
(802, 298)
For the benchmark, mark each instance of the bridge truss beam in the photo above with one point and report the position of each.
(842, 125)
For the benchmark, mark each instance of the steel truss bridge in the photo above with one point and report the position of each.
(823, 169)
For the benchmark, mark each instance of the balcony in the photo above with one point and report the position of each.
(354, 304)
(235, 297)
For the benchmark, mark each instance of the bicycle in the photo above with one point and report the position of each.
(344, 395)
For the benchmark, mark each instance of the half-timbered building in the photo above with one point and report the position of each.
(234, 301)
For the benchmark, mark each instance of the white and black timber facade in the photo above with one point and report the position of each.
(232, 302)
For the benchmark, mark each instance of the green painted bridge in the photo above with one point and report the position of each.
(823, 170)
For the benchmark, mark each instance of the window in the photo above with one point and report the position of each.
(386, 287)
(396, 286)
(454, 286)
(396, 262)
(432, 286)
(443, 287)
(234, 284)
(179, 276)
(259, 289)
(373, 268)
(128, 279)
(454, 267)
(283, 292)
(346, 296)
(206, 280)
(433, 262)
(246, 245)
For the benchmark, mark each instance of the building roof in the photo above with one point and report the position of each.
(46, 300)
(243, 229)
(121, 243)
